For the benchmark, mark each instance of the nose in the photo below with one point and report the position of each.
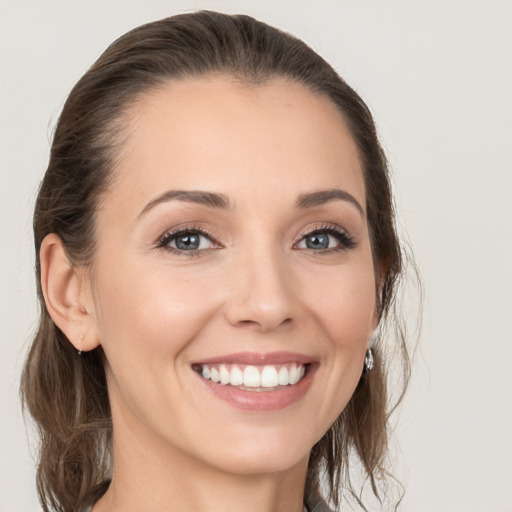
(262, 293)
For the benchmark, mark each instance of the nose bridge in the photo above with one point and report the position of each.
(262, 287)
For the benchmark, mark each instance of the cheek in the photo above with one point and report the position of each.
(345, 310)
(152, 312)
(148, 318)
(344, 303)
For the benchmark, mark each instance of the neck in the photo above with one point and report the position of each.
(154, 477)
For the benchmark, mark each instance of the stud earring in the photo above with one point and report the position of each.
(369, 362)
(81, 340)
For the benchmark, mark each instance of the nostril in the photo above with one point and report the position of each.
(264, 325)
(248, 323)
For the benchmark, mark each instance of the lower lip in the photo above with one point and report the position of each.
(262, 400)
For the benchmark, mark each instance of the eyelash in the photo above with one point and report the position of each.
(346, 241)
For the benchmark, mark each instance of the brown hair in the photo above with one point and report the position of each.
(66, 394)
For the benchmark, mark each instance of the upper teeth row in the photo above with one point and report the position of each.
(252, 377)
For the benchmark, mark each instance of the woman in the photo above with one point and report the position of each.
(216, 255)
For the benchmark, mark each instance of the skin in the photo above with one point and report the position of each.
(253, 286)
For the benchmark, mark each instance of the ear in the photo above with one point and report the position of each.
(66, 293)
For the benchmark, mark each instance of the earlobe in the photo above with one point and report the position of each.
(62, 285)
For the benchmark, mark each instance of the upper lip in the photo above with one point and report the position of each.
(258, 359)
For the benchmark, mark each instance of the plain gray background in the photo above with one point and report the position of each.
(438, 77)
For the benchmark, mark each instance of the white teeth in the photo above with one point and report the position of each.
(283, 376)
(236, 377)
(294, 375)
(224, 375)
(253, 377)
(214, 375)
(269, 377)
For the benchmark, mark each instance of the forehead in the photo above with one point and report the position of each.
(215, 134)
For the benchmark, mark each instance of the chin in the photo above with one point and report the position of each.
(263, 453)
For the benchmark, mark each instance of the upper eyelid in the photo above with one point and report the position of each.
(187, 229)
(323, 227)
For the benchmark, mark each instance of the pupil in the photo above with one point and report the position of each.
(317, 241)
(187, 242)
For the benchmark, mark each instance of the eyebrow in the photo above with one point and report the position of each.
(217, 200)
(321, 197)
(211, 199)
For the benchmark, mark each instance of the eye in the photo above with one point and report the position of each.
(326, 239)
(186, 240)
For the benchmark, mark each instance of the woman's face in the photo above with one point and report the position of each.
(233, 245)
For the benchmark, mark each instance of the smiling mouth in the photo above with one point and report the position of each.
(253, 377)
